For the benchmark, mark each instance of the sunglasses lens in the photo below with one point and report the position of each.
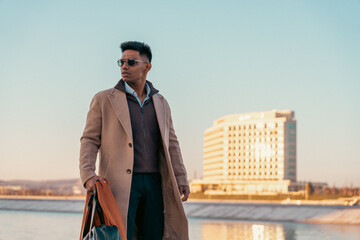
(122, 62)
(131, 62)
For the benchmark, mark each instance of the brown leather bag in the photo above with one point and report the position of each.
(110, 211)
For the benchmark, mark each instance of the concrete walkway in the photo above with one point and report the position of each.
(274, 212)
(235, 210)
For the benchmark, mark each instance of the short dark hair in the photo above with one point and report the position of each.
(142, 48)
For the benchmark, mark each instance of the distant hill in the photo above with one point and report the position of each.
(64, 187)
(43, 184)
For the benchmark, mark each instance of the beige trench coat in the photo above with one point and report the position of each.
(108, 131)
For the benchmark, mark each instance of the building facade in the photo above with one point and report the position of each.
(251, 152)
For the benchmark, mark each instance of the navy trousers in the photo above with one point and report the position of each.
(146, 207)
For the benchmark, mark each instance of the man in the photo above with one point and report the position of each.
(131, 127)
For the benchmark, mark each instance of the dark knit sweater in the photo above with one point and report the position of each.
(145, 131)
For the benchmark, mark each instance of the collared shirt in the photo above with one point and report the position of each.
(129, 89)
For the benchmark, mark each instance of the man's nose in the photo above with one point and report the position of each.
(125, 65)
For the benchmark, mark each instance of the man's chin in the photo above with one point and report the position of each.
(129, 81)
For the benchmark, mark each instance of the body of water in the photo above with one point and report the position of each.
(31, 225)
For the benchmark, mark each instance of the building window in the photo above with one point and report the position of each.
(292, 153)
(291, 125)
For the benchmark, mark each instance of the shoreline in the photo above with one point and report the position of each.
(324, 202)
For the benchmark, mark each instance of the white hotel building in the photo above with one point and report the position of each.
(250, 153)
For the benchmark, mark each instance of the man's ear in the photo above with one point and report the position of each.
(148, 67)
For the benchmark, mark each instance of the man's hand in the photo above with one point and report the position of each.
(90, 184)
(184, 192)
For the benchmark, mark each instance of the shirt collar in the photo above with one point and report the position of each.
(129, 89)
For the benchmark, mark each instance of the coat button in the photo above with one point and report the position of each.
(130, 145)
(128, 171)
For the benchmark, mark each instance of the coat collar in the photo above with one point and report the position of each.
(119, 103)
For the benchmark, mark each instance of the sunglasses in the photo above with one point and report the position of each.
(130, 62)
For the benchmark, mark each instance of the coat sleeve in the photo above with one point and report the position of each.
(175, 155)
(90, 141)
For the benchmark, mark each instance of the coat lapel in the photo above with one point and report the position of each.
(160, 114)
(119, 103)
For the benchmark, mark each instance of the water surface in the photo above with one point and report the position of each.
(27, 225)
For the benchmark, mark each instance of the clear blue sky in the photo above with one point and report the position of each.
(210, 59)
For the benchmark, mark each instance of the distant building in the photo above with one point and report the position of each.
(76, 190)
(10, 190)
(250, 153)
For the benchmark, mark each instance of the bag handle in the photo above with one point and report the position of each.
(98, 208)
(94, 204)
(92, 212)
(88, 206)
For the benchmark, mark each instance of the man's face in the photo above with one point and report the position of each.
(137, 72)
